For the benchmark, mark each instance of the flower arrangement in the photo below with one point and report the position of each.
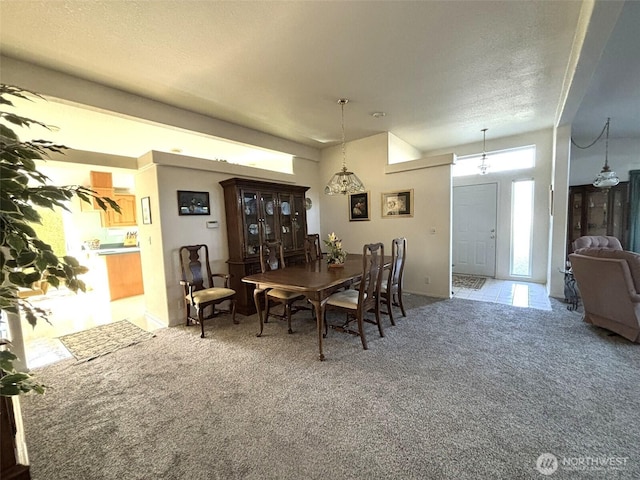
(335, 254)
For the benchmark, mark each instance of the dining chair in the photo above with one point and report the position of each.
(272, 258)
(312, 250)
(356, 303)
(391, 290)
(200, 290)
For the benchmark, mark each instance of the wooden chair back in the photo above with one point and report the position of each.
(195, 267)
(271, 256)
(372, 268)
(312, 250)
(398, 257)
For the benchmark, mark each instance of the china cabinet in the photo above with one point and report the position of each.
(594, 211)
(259, 212)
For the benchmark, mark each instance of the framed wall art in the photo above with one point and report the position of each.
(145, 203)
(397, 204)
(358, 206)
(193, 203)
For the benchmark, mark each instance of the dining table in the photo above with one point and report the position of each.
(317, 280)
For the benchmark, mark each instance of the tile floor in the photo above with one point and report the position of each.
(70, 313)
(508, 292)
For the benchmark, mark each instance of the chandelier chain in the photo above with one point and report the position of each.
(342, 102)
(604, 129)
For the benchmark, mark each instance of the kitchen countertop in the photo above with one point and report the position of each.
(117, 250)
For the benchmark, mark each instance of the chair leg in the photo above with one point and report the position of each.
(378, 320)
(399, 300)
(389, 300)
(324, 320)
(361, 331)
(267, 307)
(287, 309)
(233, 311)
(201, 320)
(188, 310)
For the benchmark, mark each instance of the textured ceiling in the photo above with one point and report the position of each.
(441, 71)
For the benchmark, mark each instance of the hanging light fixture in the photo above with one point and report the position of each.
(484, 166)
(343, 182)
(606, 178)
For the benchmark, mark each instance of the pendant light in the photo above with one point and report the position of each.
(484, 166)
(606, 178)
(343, 182)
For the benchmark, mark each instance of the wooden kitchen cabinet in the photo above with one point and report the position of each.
(126, 217)
(124, 272)
(258, 212)
(594, 211)
(102, 184)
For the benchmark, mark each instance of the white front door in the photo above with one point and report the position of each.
(474, 229)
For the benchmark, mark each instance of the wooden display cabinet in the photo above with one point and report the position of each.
(259, 212)
(594, 211)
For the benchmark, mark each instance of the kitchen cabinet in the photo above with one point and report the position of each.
(124, 272)
(127, 215)
(594, 211)
(102, 184)
(259, 212)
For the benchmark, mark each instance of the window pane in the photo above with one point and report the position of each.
(499, 161)
(521, 227)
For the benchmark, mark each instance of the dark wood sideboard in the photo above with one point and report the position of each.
(259, 212)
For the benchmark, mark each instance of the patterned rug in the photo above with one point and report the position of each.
(468, 281)
(98, 341)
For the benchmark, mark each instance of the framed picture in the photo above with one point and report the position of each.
(397, 204)
(193, 203)
(146, 210)
(359, 206)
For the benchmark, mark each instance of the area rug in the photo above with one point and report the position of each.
(98, 341)
(468, 281)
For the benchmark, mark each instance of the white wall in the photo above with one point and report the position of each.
(428, 254)
(558, 232)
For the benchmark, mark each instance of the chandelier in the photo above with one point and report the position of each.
(606, 178)
(343, 182)
(484, 166)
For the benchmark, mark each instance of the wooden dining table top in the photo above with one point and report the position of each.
(310, 277)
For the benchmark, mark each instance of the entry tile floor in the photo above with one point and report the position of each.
(508, 292)
(70, 313)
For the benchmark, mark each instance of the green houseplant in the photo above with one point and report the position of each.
(24, 258)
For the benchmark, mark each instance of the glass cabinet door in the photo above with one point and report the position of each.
(597, 221)
(286, 224)
(617, 212)
(575, 228)
(251, 222)
(298, 221)
(269, 223)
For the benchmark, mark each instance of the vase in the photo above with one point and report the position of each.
(335, 265)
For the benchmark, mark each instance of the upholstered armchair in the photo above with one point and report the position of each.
(609, 283)
(597, 241)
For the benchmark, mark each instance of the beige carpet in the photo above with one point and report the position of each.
(468, 281)
(98, 341)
